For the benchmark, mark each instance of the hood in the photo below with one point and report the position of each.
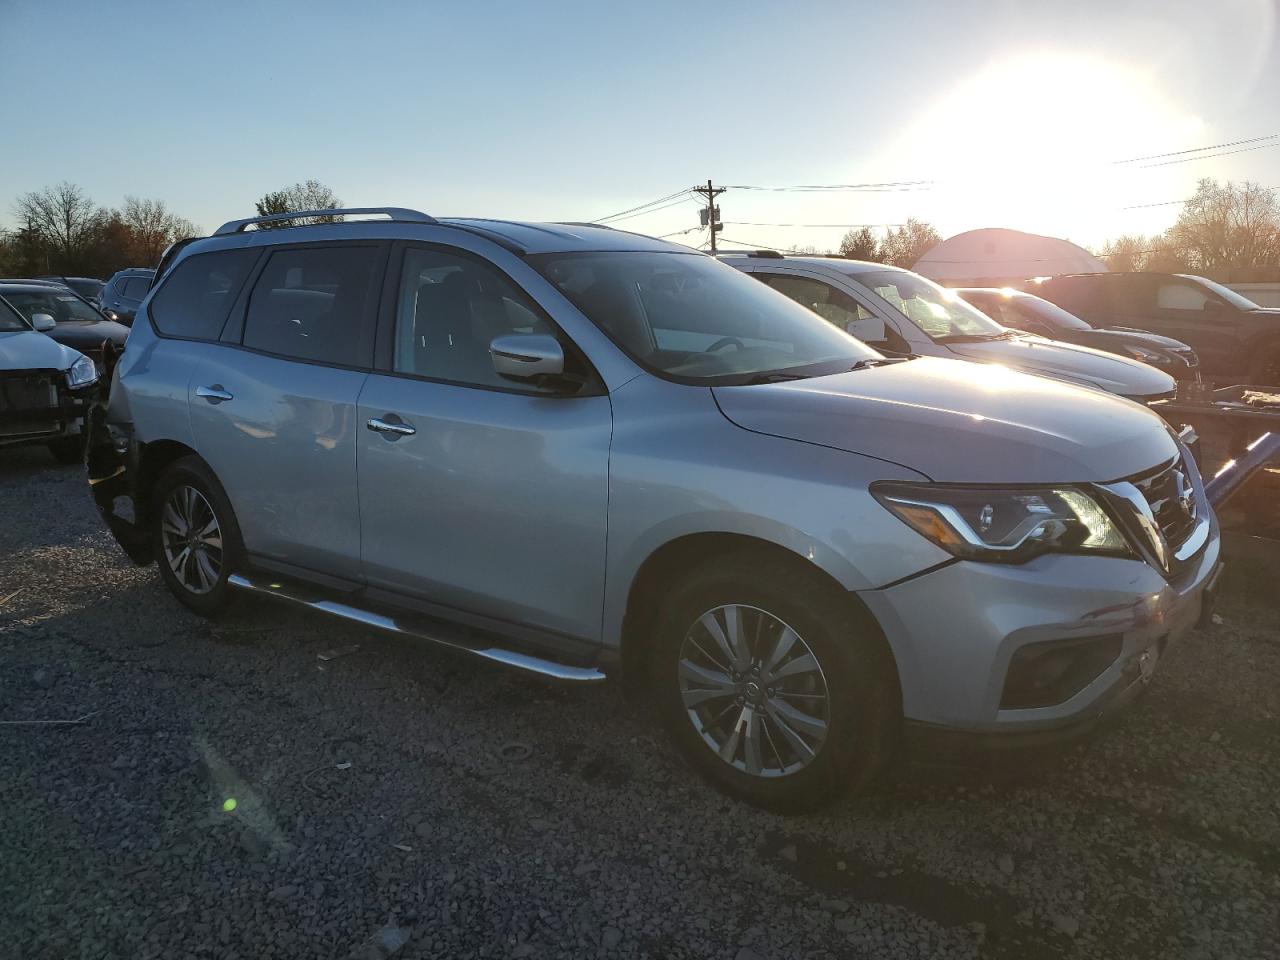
(89, 334)
(960, 422)
(1140, 337)
(28, 350)
(1071, 362)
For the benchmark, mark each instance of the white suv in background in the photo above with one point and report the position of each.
(899, 313)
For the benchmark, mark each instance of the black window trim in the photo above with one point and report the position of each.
(225, 320)
(384, 352)
(233, 329)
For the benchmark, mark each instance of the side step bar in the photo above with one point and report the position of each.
(445, 636)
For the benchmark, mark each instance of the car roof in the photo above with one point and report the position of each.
(33, 286)
(522, 237)
(838, 264)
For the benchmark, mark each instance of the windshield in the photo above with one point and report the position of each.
(1050, 313)
(1226, 293)
(59, 304)
(10, 320)
(694, 319)
(86, 288)
(939, 313)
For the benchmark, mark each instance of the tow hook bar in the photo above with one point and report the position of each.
(1224, 484)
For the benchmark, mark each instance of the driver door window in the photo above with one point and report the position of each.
(834, 306)
(450, 309)
(1180, 297)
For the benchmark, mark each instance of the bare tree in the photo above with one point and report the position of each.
(308, 195)
(1130, 252)
(1225, 226)
(64, 218)
(860, 245)
(908, 243)
(153, 227)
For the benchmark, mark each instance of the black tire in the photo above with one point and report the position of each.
(863, 705)
(67, 450)
(191, 473)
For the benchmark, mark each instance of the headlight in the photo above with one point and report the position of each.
(1145, 355)
(82, 373)
(1004, 524)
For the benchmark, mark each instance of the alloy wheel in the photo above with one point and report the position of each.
(754, 690)
(191, 539)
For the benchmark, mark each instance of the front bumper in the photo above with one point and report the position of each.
(954, 632)
(26, 418)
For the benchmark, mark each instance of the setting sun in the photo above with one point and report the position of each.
(1034, 141)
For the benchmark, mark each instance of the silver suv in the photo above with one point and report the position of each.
(587, 453)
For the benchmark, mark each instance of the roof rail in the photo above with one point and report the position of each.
(392, 213)
(757, 254)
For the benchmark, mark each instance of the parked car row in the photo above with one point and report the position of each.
(901, 313)
(807, 533)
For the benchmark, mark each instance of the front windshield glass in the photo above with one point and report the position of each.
(692, 318)
(1226, 293)
(939, 313)
(10, 320)
(59, 304)
(1050, 313)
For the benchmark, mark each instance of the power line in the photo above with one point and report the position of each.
(618, 218)
(747, 223)
(1216, 146)
(641, 206)
(1208, 156)
(763, 246)
(1170, 203)
(889, 187)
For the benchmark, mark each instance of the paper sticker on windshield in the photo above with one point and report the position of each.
(66, 299)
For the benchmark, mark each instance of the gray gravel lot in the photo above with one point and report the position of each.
(234, 796)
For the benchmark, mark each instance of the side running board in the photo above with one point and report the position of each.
(442, 635)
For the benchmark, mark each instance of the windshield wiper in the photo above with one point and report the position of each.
(773, 376)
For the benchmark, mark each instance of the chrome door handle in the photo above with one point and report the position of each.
(396, 427)
(214, 394)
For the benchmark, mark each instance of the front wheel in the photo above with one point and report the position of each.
(773, 685)
(197, 539)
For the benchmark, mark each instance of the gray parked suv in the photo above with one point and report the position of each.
(583, 452)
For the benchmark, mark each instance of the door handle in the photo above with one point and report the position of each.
(391, 425)
(214, 394)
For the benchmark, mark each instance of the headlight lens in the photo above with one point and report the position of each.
(82, 373)
(1004, 524)
(1145, 355)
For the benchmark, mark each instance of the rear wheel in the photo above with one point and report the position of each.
(197, 540)
(776, 688)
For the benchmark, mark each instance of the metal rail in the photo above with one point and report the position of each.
(391, 213)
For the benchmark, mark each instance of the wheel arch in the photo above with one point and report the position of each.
(681, 554)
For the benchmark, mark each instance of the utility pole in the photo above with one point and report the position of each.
(711, 214)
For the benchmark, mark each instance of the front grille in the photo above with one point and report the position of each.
(1172, 499)
(29, 404)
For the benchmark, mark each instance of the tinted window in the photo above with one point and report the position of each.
(834, 306)
(450, 310)
(195, 299)
(135, 288)
(312, 303)
(1180, 295)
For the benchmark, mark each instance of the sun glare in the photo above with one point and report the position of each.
(1031, 142)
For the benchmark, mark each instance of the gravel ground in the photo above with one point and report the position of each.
(231, 795)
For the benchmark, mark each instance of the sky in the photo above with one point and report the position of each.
(1009, 113)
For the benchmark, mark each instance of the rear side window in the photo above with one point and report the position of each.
(313, 304)
(194, 302)
(135, 288)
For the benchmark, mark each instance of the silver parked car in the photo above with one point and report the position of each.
(587, 453)
(44, 386)
(900, 313)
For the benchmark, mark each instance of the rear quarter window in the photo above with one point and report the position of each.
(194, 301)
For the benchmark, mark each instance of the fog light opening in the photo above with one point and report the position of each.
(1049, 673)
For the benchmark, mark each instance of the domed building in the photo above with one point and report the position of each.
(995, 257)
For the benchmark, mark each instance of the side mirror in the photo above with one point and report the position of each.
(43, 322)
(527, 356)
